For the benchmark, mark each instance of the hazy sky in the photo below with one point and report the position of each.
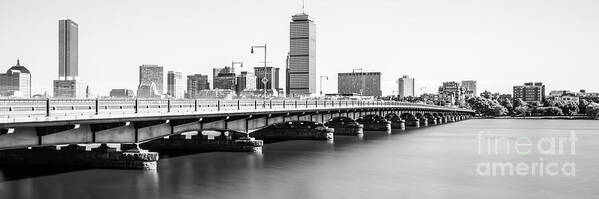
(499, 43)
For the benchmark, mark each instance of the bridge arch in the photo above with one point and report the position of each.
(407, 116)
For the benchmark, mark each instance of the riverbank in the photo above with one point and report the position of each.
(575, 117)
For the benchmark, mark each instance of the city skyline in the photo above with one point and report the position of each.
(539, 57)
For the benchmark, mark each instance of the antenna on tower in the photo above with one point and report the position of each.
(303, 6)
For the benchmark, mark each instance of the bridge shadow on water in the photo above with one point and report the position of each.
(13, 173)
(17, 172)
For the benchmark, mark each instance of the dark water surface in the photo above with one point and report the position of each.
(432, 162)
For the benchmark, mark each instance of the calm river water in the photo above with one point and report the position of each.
(447, 161)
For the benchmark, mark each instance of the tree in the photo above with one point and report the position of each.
(519, 102)
(549, 102)
(592, 110)
(507, 104)
(499, 111)
(521, 110)
(582, 104)
(553, 111)
(568, 107)
(486, 106)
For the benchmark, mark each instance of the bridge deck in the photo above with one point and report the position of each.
(15, 113)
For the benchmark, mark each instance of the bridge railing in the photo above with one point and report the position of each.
(18, 110)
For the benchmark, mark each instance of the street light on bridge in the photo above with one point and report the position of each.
(322, 76)
(252, 51)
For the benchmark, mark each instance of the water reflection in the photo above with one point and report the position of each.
(426, 162)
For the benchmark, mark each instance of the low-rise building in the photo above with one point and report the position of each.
(122, 93)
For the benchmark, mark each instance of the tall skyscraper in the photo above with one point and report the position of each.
(16, 82)
(469, 88)
(362, 83)
(301, 71)
(68, 85)
(175, 85)
(405, 86)
(68, 50)
(151, 81)
(195, 84)
(271, 73)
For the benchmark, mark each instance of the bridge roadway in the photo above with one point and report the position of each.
(46, 124)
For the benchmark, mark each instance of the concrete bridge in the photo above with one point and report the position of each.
(109, 132)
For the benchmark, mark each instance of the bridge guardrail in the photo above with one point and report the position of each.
(22, 110)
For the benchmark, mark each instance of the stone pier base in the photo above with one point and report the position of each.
(379, 126)
(432, 121)
(295, 130)
(400, 124)
(348, 130)
(77, 156)
(197, 143)
(423, 122)
(413, 123)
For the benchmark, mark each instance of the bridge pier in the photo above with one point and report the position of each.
(398, 124)
(76, 156)
(227, 141)
(450, 119)
(423, 121)
(374, 123)
(432, 120)
(413, 123)
(294, 130)
(345, 126)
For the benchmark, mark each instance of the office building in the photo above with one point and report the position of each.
(175, 85)
(271, 74)
(151, 81)
(68, 50)
(246, 82)
(224, 78)
(122, 93)
(70, 89)
(301, 72)
(195, 84)
(226, 69)
(451, 93)
(362, 83)
(469, 88)
(405, 86)
(16, 82)
(68, 85)
(530, 92)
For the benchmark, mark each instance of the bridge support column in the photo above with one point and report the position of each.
(345, 126)
(443, 119)
(398, 124)
(76, 156)
(296, 130)
(413, 122)
(423, 121)
(375, 123)
(202, 143)
(450, 119)
(432, 120)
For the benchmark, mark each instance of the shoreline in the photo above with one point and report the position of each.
(540, 118)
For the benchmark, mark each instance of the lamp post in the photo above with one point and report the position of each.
(233, 63)
(363, 80)
(322, 76)
(252, 51)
